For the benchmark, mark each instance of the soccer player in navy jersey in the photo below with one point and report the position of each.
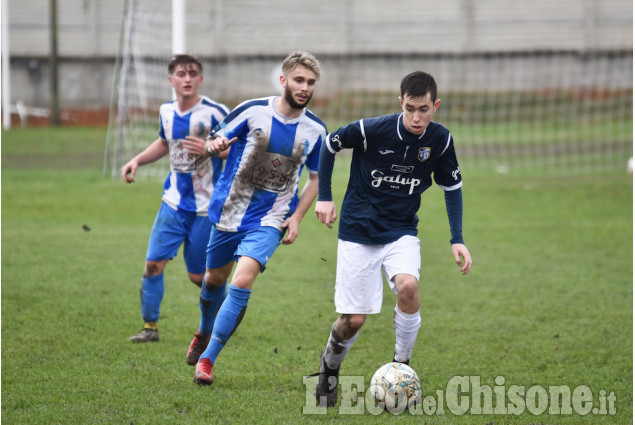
(394, 157)
(256, 200)
(182, 217)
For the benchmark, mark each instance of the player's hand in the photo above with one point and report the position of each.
(462, 257)
(213, 147)
(291, 227)
(326, 212)
(128, 171)
(194, 145)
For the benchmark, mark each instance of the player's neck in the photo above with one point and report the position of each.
(283, 108)
(187, 102)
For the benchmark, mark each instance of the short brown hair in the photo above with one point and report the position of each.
(184, 60)
(418, 84)
(301, 58)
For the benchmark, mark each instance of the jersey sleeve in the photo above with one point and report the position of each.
(447, 173)
(347, 137)
(236, 123)
(454, 209)
(327, 160)
(161, 129)
(313, 158)
(217, 117)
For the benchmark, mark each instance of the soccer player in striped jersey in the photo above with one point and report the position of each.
(394, 157)
(256, 200)
(182, 217)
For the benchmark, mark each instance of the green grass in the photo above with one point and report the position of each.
(548, 302)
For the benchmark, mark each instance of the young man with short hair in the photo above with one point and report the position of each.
(393, 159)
(256, 200)
(182, 217)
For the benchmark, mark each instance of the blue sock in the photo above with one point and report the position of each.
(227, 320)
(152, 289)
(210, 303)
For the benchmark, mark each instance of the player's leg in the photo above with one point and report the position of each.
(213, 292)
(219, 264)
(253, 252)
(358, 292)
(343, 334)
(168, 233)
(195, 247)
(212, 296)
(233, 307)
(401, 265)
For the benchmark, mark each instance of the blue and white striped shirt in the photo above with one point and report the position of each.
(259, 185)
(190, 183)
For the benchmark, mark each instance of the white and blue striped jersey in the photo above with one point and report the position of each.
(259, 185)
(390, 170)
(190, 183)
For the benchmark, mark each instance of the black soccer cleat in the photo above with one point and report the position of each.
(326, 388)
(407, 362)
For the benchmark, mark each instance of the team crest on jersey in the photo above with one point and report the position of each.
(424, 154)
(199, 129)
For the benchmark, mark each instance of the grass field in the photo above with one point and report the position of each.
(548, 302)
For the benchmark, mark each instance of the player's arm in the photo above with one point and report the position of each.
(292, 224)
(157, 149)
(454, 208)
(216, 146)
(196, 146)
(325, 207)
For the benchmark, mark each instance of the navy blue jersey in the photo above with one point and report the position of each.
(390, 169)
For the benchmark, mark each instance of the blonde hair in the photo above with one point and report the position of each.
(301, 58)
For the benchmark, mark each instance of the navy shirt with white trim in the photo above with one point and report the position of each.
(390, 169)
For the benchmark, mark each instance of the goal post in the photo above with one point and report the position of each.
(555, 110)
(151, 33)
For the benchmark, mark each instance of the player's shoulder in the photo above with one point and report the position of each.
(439, 131)
(167, 109)
(380, 125)
(381, 121)
(169, 105)
(248, 105)
(260, 101)
(436, 127)
(210, 103)
(311, 117)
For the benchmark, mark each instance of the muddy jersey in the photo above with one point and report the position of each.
(190, 183)
(390, 169)
(259, 185)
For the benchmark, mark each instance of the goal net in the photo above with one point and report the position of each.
(513, 105)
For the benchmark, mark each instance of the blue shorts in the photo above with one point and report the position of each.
(259, 244)
(173, 228)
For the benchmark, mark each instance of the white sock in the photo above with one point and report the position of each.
(336, 350)
(406, 330)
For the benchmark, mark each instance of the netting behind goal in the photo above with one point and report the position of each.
(554, 111)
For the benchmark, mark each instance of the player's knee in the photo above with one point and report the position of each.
(213, 280)
(357, 321)
(153, 268)
(349, 324)
(196, 279)
(409, 288)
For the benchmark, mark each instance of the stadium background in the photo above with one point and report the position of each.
(548, 302)
(526, 86)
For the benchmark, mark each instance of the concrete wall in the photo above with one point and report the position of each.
(89, 33)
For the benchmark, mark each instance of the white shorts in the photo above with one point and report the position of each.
(359, 282)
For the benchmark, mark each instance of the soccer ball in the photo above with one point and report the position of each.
(396, 385)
